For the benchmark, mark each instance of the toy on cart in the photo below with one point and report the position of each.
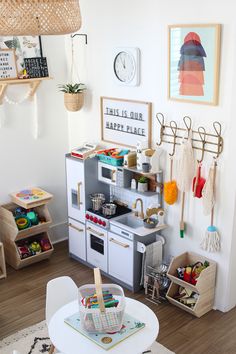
(191, 273)
(32, 197)
(45, 245)
(114, 157)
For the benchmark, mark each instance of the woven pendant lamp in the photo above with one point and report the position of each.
(38, 17)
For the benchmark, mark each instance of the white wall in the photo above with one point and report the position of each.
(28, 162)
(144, 24)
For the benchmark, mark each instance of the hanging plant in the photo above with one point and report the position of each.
(73, 96)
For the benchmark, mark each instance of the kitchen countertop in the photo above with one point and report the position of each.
(139, 231)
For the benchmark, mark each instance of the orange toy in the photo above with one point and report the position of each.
(170, 188)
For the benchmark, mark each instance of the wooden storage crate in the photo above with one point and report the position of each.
(203, 305)
(9, 225)
(205, 281)
(3, 272)
(13, 257)
(205, 286)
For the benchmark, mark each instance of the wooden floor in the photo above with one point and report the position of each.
(22, 303)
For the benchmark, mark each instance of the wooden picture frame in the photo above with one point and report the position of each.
(193, 63)
(8, 67)
(118, 116)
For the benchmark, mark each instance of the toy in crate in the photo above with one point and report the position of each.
(114, 157)
(101, 306)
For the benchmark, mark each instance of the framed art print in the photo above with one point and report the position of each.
(24, 46)
(194, 57)
(125, 122)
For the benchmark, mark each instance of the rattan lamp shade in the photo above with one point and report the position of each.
(37, 17)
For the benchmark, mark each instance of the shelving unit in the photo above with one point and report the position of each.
(147, 174)
(205, 286)
(33, 83)
(144, 194)
(12, 237)
(3, 272)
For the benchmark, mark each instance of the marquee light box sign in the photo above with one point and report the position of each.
(8, 68)
(125, 122)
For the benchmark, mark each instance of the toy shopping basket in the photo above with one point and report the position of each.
(98, 318)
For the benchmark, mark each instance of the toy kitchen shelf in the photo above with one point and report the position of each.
(34, 84)
(205, 286)
(12, 237)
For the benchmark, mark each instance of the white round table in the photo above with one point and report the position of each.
(69, 341)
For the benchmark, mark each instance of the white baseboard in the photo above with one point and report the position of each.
(58, 232)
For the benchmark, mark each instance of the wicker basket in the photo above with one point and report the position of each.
(36, 17)
(74, 101)
(102, 319)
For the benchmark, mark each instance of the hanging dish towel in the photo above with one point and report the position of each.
(185, 165)
(152, 257)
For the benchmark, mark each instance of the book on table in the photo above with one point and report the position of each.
(107, 340)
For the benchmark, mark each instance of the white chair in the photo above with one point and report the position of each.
(60, 291)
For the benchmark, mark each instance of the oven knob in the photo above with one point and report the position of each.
(104, 223)
(95, 220)
(87, 216)
(100, 222)
(91, 218)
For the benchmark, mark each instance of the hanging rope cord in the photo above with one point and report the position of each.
(73, 63)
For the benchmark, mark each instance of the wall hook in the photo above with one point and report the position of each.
(188, 124)
(174, 129)
(81, 34)
(202, 134)
(161, 121)
(218, 129)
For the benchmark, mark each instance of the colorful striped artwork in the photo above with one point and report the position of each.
(191, 66)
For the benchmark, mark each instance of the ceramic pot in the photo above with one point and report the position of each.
(142, 187)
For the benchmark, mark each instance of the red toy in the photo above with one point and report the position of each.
(198, 183)
(45, 244)
(24, 252)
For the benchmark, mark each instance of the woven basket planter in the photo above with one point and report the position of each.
(36, 17)
(74, 101)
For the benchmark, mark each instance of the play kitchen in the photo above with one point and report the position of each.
(103, 230)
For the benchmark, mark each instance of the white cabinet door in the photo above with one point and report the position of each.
(77, 239)
(75, 189)
(120, 258)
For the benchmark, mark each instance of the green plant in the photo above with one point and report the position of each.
(143, 179)
(72, 88)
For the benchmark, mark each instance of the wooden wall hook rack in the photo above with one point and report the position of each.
(201, 139)
(33, 83)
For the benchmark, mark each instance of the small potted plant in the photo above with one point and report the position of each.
(73, 96)
(143, 184)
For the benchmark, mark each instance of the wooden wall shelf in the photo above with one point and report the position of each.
(34, 84)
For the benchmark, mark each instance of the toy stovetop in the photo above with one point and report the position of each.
(30, 198)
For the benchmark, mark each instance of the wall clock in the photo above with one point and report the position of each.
(126, 66)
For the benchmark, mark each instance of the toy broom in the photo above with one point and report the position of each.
(211, 241)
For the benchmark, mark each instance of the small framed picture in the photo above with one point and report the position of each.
(194, 57)
(8, 67)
